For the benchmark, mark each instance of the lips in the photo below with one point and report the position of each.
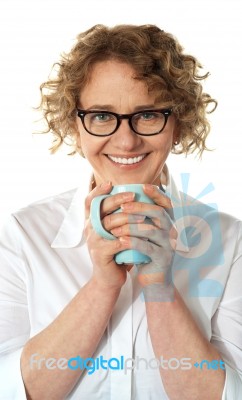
(127, 160)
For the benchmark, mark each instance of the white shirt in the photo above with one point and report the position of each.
(45, 261)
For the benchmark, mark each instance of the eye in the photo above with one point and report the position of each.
(101, 117)
(147, 116)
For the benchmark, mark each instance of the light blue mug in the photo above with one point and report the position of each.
(126, 256)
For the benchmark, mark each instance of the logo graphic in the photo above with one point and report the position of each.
(199, 229)
(92, 365)
(199, 252)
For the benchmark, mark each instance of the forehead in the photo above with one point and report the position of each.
(111, 68)
(113, 81)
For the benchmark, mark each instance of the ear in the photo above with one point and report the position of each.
(176, 135)
(78, 140)
(78, 145)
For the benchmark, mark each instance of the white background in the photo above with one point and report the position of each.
(33, 34)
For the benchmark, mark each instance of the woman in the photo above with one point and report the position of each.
(127, 96)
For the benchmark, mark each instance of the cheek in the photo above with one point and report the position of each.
(83, 139)
(90, 145)
(164, 145)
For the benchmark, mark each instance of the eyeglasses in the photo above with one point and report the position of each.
(105, 123)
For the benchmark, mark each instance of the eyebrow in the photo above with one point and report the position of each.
(109, 107)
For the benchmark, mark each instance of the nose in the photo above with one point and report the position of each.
(125, 138)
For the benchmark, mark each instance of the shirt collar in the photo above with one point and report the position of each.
(71, 231)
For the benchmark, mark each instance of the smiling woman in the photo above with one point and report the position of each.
(115, 83)
(127, 96)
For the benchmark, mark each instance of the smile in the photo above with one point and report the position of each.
(133, 160)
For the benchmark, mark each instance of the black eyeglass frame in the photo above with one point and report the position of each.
(165, 111)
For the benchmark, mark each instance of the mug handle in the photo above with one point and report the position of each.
(95, 217)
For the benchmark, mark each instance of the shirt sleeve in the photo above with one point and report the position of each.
(14, 316)
(227, 327)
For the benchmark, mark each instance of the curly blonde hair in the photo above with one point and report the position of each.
(158, 59)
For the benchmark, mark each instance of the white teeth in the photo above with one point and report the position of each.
(127, 160)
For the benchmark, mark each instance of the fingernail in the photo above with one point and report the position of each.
(124, 240)
(128, 196)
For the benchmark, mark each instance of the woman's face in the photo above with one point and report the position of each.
(112, 87)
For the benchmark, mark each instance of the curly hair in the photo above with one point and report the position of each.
(158, 59)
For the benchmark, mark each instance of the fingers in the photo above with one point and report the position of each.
(157, 196)
(157, 214)
(102, 251)
(112, 221)
(161, 257)
(111, 203)
(99, 190)
(107, 247)
(149, 232)
(105, 271)
(114, 202)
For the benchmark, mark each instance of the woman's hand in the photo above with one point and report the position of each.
(158, 241)
(102, 251)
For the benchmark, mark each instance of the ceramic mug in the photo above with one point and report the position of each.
(126, 256)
